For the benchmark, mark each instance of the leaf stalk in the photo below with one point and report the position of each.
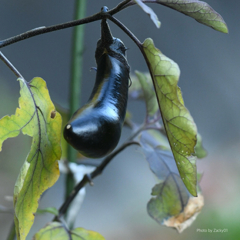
(10, 65)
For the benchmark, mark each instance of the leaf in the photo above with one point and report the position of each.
(198, 10)
(149, 11)
(186, 218)
(82, 234)
(171, 196)
(57, 231)
(65, 118)
(37, 118)
(148, 93)
(171, 199)
(135, 91)
(200, 152)
(179, 125)
(50, 210)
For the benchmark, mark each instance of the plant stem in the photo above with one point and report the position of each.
(119, 7)
(9, 64)
(12, 233)
(88, 178)
(77, 57)
(42, 30)
(126, 30)
(75, 82)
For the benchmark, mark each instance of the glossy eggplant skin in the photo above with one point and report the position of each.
(95, 129)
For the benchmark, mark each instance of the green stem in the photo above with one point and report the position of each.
(12, 233)
(76, 76)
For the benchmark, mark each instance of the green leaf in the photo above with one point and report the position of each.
(149, 11)
(65, 118)
(64, 144)
(171, 205)
(198, 10)
(148, 93)
(82, 234)
(50, 210)
(200, 152)
(37, 118)
(179, 125)
(57, 231)
(171, 197)
(135, 91)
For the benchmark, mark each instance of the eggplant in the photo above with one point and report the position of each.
(95, 129)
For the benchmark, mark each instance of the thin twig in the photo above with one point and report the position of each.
(131, 3)
(107, 160)
(87, 178)
(125, 29)
(9, 64)
(41, 30)
(119, 7)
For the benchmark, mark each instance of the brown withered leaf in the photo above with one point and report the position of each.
(187, 217)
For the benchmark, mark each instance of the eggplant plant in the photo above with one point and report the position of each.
(168, 137)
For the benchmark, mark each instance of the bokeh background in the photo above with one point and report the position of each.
(210, 72)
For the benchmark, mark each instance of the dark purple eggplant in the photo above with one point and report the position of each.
(95, 129)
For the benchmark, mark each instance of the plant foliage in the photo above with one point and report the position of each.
(168, 137)
(58, 231)
(179, 125)
(37, 118)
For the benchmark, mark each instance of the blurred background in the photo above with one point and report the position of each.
(209, 63)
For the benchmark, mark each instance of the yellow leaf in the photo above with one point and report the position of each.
(179, 125)
(57, 231)
(36, 117)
